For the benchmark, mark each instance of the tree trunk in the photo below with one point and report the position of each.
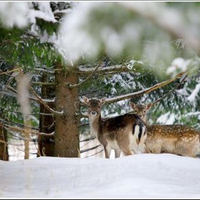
(66, 128)
(46, 143)
(3, 144)
(47, 121)
(26, 136)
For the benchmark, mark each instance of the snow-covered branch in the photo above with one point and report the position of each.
(145, 91)
(78, 84)
(192, 114)
(194, 93)
(107, 69)
(21, 14)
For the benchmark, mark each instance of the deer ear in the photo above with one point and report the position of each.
(148, 106)
(103, 100)
(132, 105)
(84, 100)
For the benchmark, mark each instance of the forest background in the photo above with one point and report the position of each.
(53, 53)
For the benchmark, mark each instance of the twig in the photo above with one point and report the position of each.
(43, 83)
(13, 70)
(92, 148)
(46, 105)
(95, 153)
(13, 128)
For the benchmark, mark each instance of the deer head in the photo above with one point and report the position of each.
(141, 110)
(94, 106)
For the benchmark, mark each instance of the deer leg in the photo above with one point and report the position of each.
(153, 147)
(156, 150)
(183, 150)
(135, 150)
(143, 148)
(117, 153)
(147, 150)
(127, 152)
(107, 150)
(188, 146)
(127, 144)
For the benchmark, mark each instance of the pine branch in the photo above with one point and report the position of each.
(78, 84)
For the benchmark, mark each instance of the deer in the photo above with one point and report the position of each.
(124, 133)
(176, 139)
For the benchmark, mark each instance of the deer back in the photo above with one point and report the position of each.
(124, 125)
(176, 139)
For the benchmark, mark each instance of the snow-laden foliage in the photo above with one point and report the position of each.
(194, 93)
(14, 14)
(22, 14)
(180, 65)
(145, 30)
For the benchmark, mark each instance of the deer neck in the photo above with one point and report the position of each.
(145, 119)
(95, 123)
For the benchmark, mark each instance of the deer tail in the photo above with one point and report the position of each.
(139, 130)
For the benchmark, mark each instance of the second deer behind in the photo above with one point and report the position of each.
(126, 133)
(176, 139)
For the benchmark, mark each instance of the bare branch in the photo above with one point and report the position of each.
(10, 79)
(4, 142)
(109, 69)
(89, 149)
(48, 71)
(45, 104)
(95, 153)
(10, 71)
(18, 71)
(88, 139)
(12, 92)
(43, 83)
(177, 86)
(22, 130)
